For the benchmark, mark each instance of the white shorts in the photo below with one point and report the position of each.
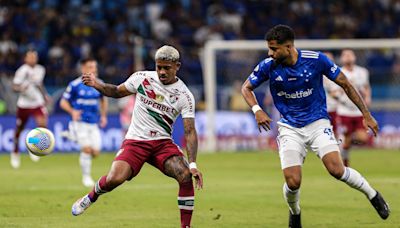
(293, 142)
(85, 134)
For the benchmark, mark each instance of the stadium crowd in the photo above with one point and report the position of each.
(65, 31)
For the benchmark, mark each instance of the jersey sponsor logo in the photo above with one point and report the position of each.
(157, 106)
(292, 79)
(191, 105)
(297, 94)
(87, 101)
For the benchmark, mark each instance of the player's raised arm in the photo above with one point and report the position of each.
(191, 148)
(106, 89)
(263, 120)
(355, 97)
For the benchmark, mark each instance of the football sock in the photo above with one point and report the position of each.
(16, 142)
(85, 160)
(292, 197)
(98, 189)
(186, 203)
(355, 180)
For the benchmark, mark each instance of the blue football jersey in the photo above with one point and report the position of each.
(297, 90)
(84, 98)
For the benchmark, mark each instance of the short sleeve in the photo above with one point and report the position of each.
(328, 68)
(42, 73)
(188, 105)
(260, 73)
(68, 93)
(366, 77)
(20, 75)
(134, 81)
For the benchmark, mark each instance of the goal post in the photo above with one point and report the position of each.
(210, 68)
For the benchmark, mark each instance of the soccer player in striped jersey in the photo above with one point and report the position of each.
(32, 99)
(160, 98)
(88, 110)
(295, 79)
(350, 118)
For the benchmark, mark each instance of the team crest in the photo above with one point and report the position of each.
(173, 98)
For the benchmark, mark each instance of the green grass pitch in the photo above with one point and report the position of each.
(240, 190)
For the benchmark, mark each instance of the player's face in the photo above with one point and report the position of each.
(279, 52)
(31, 58)
(348, 57)
(89, 67)
(166, 71)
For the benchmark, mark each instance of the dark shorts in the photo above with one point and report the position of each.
(23, 114)
(351, 124)
(154, 152)
(333, 117)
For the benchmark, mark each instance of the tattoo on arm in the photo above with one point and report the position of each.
(191, 138)
(108, 90)
(351, 92)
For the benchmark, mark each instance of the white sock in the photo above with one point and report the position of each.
(292, 197)
(356, 181)
(85, 160)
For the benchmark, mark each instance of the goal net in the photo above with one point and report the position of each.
(226, 63)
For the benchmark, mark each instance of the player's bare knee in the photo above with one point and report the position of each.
(293, 182)
(114, 179)
(185, 176)
(177, 168)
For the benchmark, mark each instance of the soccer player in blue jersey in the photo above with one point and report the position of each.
(87, 108)
(295, 79)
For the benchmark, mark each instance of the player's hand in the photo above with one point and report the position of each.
(263, 120)
(198, 177)
(89, 79)
(369, 121)
(103, 121)
(76, 114)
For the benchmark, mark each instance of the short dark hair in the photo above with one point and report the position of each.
(30, 51)
(87, 59)
(280, 33)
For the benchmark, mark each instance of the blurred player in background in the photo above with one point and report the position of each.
(125, 105)
(295, 79)
(28, 82)
(331, 91)
(160, 97)
(87, 108)
(350, 118)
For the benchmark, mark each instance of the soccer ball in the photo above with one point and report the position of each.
(40, 141)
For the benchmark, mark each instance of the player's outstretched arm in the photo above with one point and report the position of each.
(106, 89)
(355, 97)
(191, 148)
(263, 120)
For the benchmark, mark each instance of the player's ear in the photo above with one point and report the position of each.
(178, 65)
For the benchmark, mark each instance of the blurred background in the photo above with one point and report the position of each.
(124, 34)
